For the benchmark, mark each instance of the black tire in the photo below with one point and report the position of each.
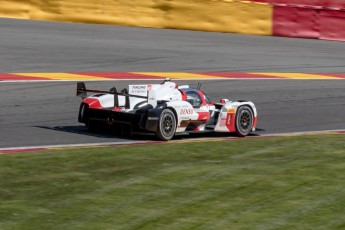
(244, 121)
(83, 113)
(166, 125)
(84, 117)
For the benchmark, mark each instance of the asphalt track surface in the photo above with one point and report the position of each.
(46, 113)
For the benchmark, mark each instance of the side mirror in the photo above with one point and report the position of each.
(223, 101)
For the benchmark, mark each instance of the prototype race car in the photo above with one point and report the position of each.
(164, 109)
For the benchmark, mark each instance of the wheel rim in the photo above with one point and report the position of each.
(245, 121)
(167, 125)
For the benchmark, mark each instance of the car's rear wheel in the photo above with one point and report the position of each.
(84, 117)
(167, 125)
(83, 113)
(244, 121)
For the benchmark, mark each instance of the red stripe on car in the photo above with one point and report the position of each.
(203, 116)
(93, 103)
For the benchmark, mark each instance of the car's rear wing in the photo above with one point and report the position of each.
(82, 92)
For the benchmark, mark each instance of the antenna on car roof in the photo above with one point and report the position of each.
(199, 86)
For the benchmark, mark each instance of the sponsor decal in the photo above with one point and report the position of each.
(229, 120)
(186, 111)
(230, 126)
(138, 89)
(223, 115)
(222, 122)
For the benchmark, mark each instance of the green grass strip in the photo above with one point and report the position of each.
(268, 183)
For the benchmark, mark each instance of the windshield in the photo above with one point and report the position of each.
(208, 101)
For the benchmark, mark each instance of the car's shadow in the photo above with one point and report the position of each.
(106, 134)
(82, 130)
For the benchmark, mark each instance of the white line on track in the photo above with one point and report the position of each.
(28, 148)
(76, 145)
(304, 133)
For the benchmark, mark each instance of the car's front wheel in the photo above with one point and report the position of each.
(244, 121)
(167, 125)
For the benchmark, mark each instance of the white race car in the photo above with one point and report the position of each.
(164, 109)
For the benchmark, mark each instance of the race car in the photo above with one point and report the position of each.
(165, 110)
